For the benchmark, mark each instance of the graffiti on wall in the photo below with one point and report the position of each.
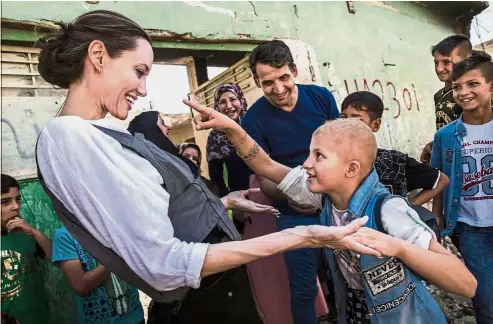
(23, 152)
(22, 120)
(396, 97)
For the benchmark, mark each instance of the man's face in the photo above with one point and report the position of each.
(277, 84)
(11, 205)
(444, 64)
(471, 90)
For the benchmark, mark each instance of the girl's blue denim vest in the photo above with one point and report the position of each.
(394, 293)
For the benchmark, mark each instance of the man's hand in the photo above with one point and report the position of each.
(302, 209)
(426, 154)
(237, 200)
(17, 224)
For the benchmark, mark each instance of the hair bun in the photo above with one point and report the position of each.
(52, 58)
(63, 53)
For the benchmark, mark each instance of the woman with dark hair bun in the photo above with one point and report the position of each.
(120, 199)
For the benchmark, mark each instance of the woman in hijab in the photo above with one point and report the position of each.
(191, 152)
(230, 101)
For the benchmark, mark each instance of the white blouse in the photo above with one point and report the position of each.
(117, 196)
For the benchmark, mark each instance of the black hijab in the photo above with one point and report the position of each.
(146, 124)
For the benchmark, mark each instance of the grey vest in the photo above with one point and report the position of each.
(193, 210)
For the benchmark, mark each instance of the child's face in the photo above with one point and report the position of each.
(363, 115)
(444, 64)
(325, 166)
(471, 91)
(11, 205)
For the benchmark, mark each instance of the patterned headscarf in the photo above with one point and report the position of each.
(218, 146)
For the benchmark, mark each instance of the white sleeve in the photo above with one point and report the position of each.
(123, 207)
(400, 220)
(294, 185)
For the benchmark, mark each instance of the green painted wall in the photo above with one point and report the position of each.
(385, 44)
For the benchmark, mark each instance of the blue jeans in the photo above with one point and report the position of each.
(476, 245)
(302, 267)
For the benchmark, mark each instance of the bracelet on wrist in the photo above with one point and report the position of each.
(240, 143)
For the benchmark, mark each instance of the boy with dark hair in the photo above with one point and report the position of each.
(282, 122)
(464, 151)
(450, 50)
(396, 170)
(23, 293)
(339, 177)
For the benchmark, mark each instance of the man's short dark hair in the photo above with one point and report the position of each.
(447, 45)
(8, 182)
(273, 53)
(476, 61)
(364, 101)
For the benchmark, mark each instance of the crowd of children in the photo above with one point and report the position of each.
(346, 176)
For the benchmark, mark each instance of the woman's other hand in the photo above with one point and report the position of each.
(236, 200)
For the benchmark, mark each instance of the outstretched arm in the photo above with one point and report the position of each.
(223, 256)
(436, 264)
(253, 155)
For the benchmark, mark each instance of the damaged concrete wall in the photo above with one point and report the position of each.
(382, 47)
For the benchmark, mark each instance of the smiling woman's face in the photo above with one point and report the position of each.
(230, 105)
(122, 79)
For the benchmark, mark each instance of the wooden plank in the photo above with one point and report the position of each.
(9, 60)
(7, 86)
(31, 69)
(234, 66)
(20, 49)
(20, 73)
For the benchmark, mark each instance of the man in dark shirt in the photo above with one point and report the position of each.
(282, 123)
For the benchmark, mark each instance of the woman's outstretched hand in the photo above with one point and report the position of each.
(208, 118)
(236, 200)
(340, 237)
